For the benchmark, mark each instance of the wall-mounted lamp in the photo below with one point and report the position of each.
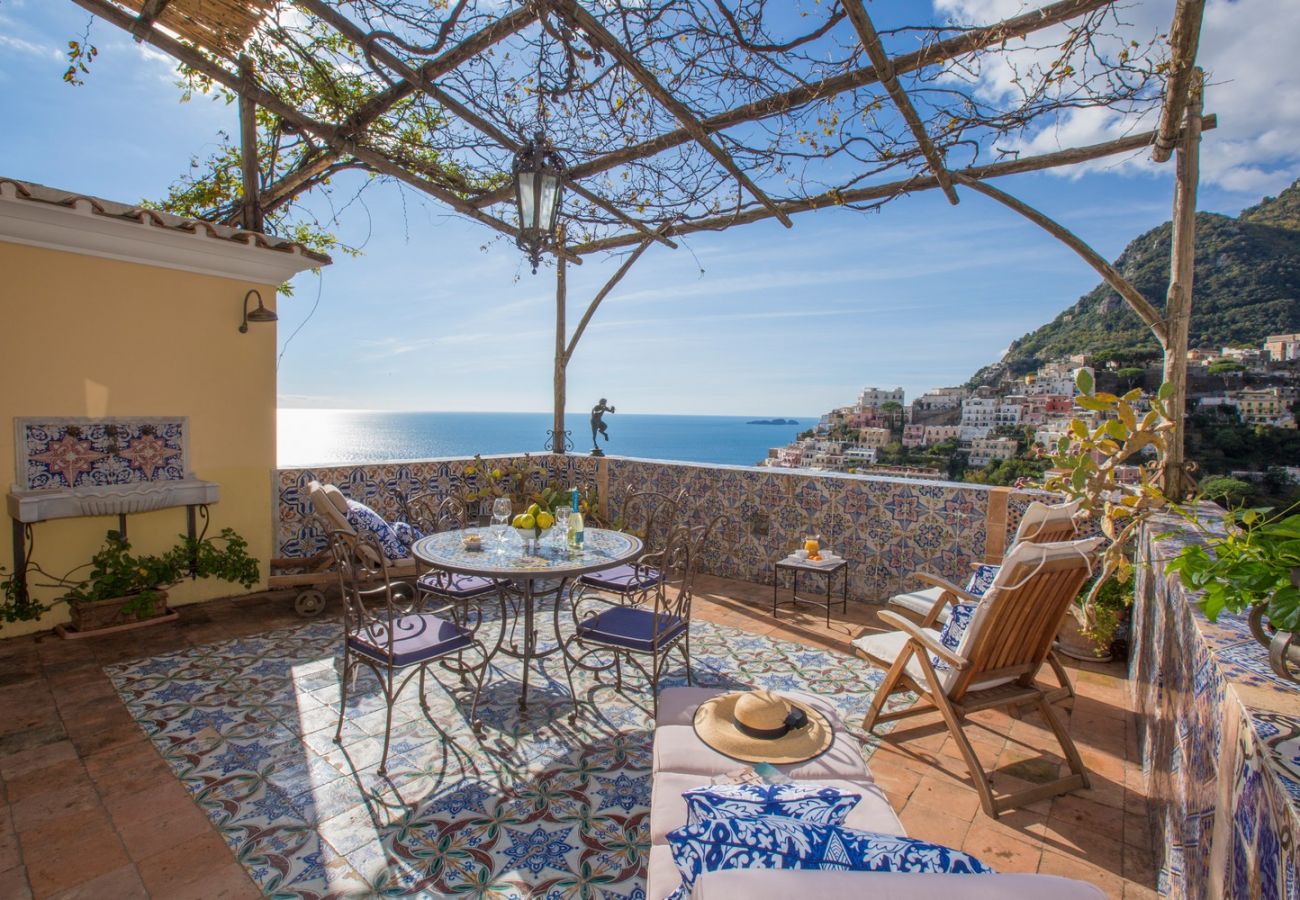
(261, 314)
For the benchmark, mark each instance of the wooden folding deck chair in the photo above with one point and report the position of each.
(932, 604)
(995, 660)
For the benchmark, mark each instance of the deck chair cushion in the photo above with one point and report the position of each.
(779, 842)
(817, 804)
(363, 518)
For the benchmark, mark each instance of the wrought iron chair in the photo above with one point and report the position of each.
(651, 516)
(651, 622)
(439, 588)
(993, 662)
(383, 632)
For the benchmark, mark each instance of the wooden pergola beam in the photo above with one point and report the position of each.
(1112, 276)
(1184, 39)
(377, 104)
(895, 188)
(149, 13)
(250, 211)
(423, 82)
(324, 132)
(597, 32)
(880, 61)
(967, 42)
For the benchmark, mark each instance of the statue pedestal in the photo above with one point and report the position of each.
(596, 451)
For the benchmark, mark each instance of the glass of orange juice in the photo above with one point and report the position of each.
(812, 545)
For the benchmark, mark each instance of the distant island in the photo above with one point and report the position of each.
(773, 422)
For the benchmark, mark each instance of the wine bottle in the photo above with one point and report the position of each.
(575, 523)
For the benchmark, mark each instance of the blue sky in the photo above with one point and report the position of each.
(760, 320)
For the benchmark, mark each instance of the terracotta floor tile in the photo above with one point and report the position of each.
(85, 836)
(68, 773)
(953, 800)
(1055, 863)
(119, 884)
(14, 765)
(42, 809)
(13, 884)
(176, 871)
(934, 825)
(145, 836)
(1001, 850)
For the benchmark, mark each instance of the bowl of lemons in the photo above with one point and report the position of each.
(532, 524)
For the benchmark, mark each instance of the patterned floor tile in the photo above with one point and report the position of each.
(538, 807)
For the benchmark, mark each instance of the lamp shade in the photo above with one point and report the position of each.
(539, 188)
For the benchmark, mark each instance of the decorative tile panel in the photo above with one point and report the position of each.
(71, 453)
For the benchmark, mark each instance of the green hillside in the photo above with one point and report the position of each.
(1247, 287)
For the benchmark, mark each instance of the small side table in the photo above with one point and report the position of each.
(826, 601)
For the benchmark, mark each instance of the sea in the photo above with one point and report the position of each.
(309, 437)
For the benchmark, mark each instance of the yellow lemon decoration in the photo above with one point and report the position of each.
(527, 521)
(545, 520)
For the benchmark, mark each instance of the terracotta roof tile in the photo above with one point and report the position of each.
(13, 189)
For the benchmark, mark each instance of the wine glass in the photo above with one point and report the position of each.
(501, 510)
(562, 526)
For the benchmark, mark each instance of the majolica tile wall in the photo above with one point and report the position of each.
(1220, 738)
(887, 528)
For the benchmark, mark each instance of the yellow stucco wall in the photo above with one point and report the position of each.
(84, 336)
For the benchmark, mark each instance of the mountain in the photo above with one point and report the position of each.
(1247, 287)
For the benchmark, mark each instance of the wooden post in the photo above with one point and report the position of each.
(250, 218)
(1178, 302)
(561, 359)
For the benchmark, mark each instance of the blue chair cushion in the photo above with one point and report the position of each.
(982, 579)
(363, 518)
(952, 632)
(622, 579)
(416, 638)
(814, 803)
(778, 842)
(460, 587)
(632, 628)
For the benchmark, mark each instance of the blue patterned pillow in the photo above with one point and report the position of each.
(953, 629)
(777, 842)
(982, 579)
(407, 534)
(363, 518)
(815, 803)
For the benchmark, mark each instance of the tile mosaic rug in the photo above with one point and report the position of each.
(538, 808)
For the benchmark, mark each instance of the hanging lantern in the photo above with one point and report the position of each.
(538, 170)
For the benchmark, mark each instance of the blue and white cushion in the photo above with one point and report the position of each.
(407, 534)
(952, 632)
(363, 518)
(815, 803)
(778, 842)
(982, 579)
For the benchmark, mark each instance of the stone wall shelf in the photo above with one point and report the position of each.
(109, 500)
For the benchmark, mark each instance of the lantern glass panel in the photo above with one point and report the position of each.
(527, 208)
(550, 193)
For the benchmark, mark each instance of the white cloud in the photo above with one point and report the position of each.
(1248, 49)
(30, 48)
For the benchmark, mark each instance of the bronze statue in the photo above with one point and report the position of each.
(598, 425)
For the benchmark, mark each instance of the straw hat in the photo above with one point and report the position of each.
(761, 726)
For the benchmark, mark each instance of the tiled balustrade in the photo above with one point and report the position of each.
(1220, 741)
(887, 527)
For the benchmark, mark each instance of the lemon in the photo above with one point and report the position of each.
(496, 474)
(518, 521)
(545, 520)
(526, 521)
(534, 509)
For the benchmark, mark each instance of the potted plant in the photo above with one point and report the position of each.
(1101, 464)
(1253, 567)
(123, 589)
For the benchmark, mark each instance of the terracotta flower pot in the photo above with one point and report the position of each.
(1072, 642)
(111, 615)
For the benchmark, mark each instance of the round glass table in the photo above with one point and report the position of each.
(529, 573)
